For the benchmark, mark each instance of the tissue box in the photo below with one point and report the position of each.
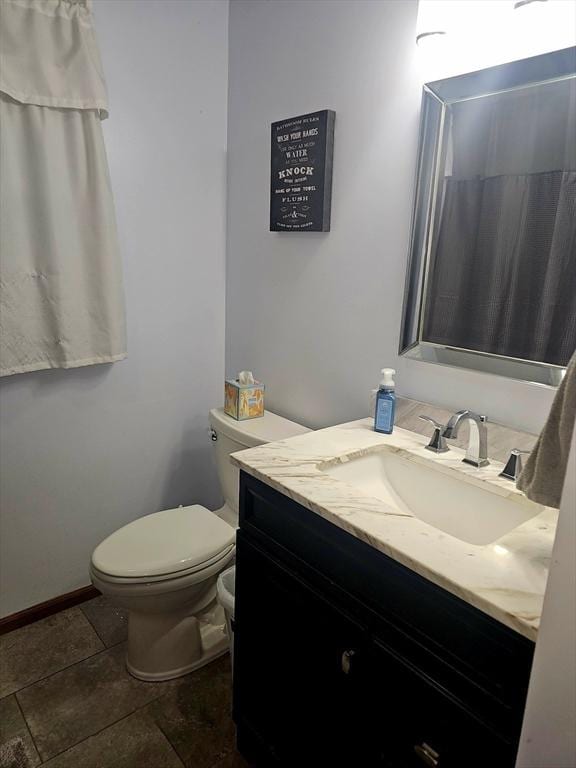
(243, 401)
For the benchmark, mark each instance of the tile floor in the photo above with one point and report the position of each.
(66, 701)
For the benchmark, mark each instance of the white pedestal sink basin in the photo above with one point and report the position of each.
(444, 498)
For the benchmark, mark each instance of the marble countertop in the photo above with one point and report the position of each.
(506, 579)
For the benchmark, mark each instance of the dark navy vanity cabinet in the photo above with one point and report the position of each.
(343, 657)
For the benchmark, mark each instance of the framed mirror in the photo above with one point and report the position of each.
(491, 279)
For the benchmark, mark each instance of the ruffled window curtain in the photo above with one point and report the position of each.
(61, 297)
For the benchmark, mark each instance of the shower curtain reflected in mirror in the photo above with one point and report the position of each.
(502, 272)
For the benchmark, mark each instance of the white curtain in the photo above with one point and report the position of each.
(61, 297)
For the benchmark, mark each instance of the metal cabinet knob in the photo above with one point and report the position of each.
(346, 661)
(427, 754)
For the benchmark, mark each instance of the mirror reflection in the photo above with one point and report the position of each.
(499, 247)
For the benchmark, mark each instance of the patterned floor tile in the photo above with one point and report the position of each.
(196, 715)
(82, 700)
(135, 742)
(47, 646)
(17, 749)
(233, 760)
(109, 621)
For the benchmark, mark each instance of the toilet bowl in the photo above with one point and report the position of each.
(163, 567)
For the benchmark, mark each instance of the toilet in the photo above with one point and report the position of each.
(163, 567)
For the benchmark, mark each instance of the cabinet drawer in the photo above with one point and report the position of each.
(486, 664)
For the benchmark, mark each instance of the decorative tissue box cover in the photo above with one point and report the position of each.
(243, 401)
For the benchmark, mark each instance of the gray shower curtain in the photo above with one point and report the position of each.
(503, 275)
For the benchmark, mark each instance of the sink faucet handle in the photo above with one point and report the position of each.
(431, 421)
(437, 442)
(514, 465)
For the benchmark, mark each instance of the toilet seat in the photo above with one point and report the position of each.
(165, 545)
(177, 577)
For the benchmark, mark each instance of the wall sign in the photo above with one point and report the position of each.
(301, 173)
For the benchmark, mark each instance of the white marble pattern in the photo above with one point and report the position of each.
(506, 579)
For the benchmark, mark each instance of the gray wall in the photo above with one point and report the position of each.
(317, 315)
(87, 450)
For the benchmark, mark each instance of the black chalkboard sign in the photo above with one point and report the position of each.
(301, 173)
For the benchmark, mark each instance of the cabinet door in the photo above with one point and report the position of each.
(295, 685)
(317, 690)
(414, 722)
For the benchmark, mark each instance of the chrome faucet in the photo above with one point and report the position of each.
(477, 451)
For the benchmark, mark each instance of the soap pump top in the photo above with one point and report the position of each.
(387, 379)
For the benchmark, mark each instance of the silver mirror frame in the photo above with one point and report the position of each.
(436, 97)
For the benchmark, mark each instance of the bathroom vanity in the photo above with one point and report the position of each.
(365, 636)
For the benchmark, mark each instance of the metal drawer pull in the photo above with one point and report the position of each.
(427, 754)
(346, 661)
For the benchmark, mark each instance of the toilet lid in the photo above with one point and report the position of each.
(165, 542)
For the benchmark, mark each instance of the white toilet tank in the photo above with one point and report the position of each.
(230, 435)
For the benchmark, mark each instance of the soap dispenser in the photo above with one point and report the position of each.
(385, 403)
